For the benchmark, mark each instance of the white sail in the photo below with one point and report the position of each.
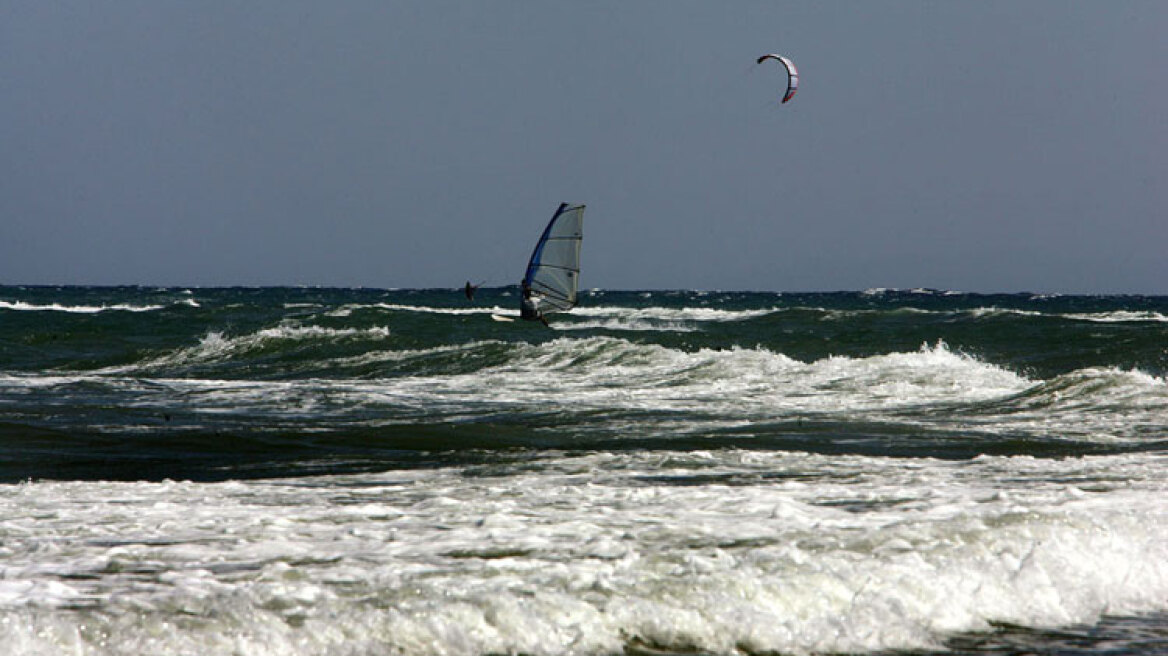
(553, 273)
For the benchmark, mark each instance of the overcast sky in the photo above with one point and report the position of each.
(974, 146)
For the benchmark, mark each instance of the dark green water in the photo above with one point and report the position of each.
(677, 472)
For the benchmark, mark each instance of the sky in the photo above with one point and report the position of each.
(992, 146)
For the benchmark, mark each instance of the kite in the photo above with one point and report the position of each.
(792, 74)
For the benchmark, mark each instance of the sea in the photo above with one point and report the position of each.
(359, 472)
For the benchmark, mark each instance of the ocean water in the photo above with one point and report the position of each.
(358, 472)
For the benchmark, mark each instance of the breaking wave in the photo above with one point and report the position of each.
(23, 306)
(632, 389)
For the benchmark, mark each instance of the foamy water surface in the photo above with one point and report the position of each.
(267, 472)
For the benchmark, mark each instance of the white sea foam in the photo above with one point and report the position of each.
(933, 388)
(297, 332)
(405, 355)
(348, 310)
(1094, 405)
(614, 315)
(991, 311)
(720, 552)
(215, 346)
(982, 312)
(1122, 316)
(77, 309)
(686, 319)
(743, 383)
(15, 383)
(665, 318)
(625, 324)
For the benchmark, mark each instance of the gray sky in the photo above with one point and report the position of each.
(976, 146)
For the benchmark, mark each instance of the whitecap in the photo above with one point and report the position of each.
(1120, 316)
(76, 309)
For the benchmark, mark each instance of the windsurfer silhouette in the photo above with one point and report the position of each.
(529, 306)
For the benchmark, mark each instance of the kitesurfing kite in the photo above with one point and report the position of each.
(553, 272)
(792, 74)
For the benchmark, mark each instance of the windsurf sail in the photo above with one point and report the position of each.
(553, 273)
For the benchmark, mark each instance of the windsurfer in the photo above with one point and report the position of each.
(529, 306)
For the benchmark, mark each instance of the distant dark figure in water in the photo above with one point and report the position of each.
(469, 290)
